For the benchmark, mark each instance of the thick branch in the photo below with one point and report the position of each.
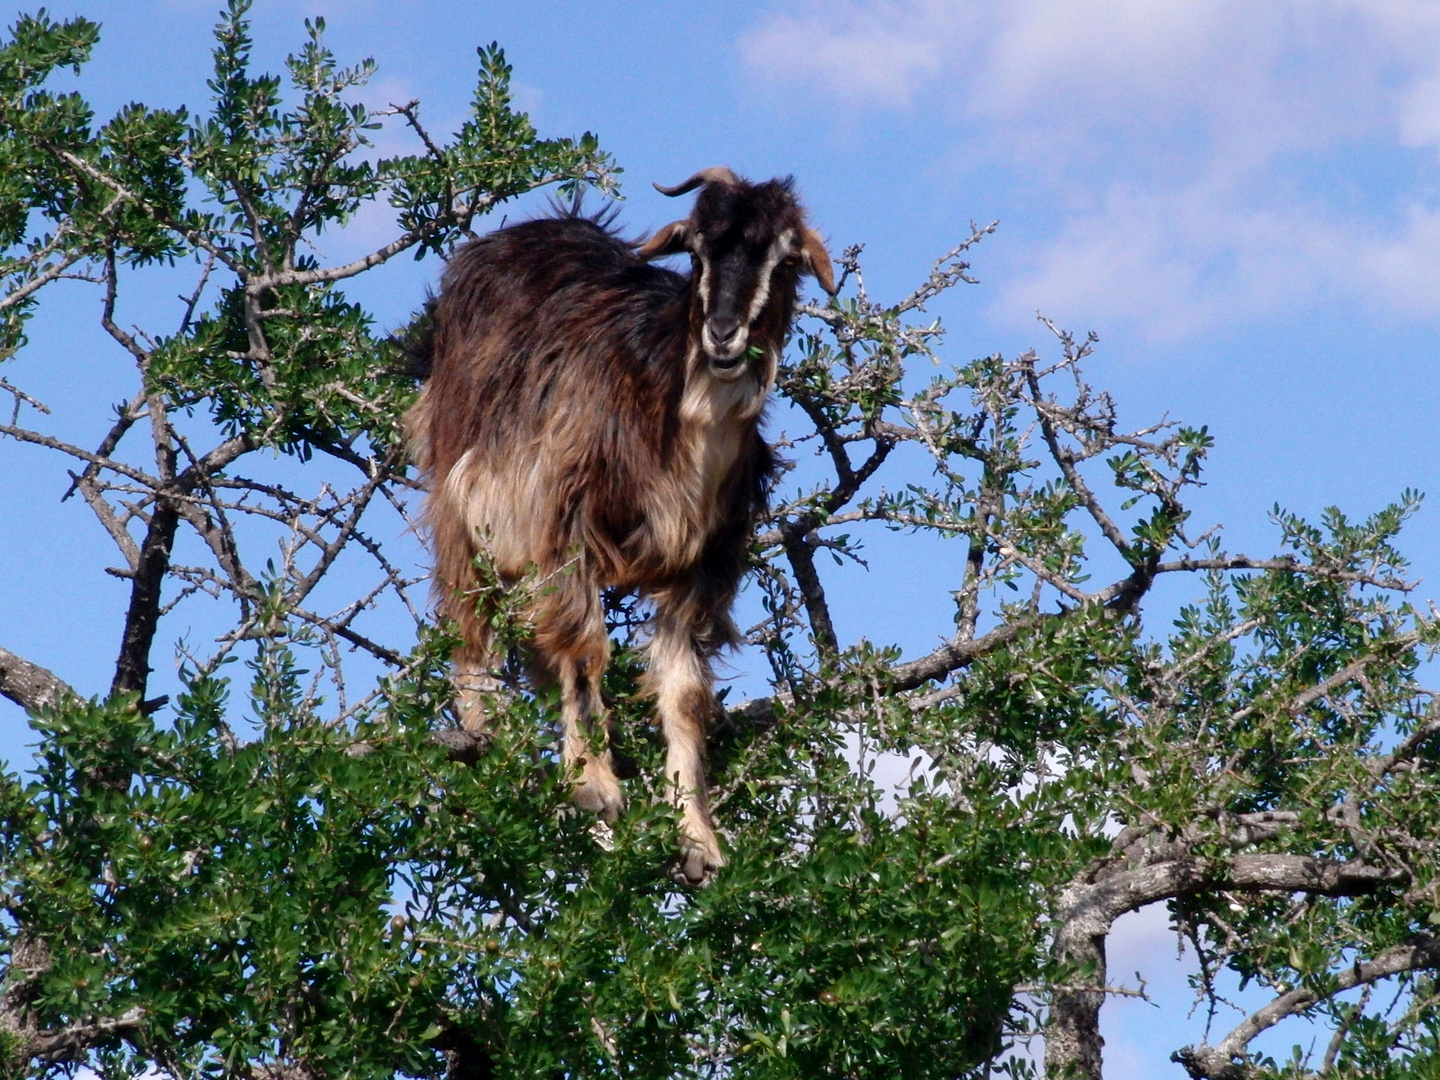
(1243, 562)
(70, 1043)
(132, 669)
(956, 654)
(29, 685)
(801, 551)
(1087, 911)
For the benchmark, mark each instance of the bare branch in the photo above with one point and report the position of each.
(411, 111)
(387, 251)
(56, 270)
(1063, 458)
(132, 668)
(31, 686)
(1243, 562)
(958, 653)
(947, 271)
(801, 551)
(26, 435)
(21, 396)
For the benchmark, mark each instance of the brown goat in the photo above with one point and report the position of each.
(596, 418)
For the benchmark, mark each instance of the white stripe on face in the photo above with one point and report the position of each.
(704, 280)
(782, 245)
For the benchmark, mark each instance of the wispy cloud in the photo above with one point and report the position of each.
(1198, 162)
(872, 53)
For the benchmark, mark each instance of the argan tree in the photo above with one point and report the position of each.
(295, 867)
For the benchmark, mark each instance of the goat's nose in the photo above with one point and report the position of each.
(723, 328)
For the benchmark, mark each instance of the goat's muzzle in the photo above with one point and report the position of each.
(725, 342)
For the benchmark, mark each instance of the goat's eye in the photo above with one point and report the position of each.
(790, 260)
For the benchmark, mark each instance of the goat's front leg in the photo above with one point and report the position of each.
(476, 687)
(572, 642)
(682, 683)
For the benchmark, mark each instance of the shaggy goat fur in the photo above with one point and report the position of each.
(597, 418)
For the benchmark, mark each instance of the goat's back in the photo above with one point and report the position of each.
(552, 417)
(550, 323)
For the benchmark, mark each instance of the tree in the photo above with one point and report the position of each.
(321, 877)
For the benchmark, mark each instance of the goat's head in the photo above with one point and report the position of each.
(749, 244)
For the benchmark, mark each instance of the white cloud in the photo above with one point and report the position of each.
(1138, 940)
(1420, 113)
(856, 52)
(1401, 272)
(1174, 261)
(1201, 161)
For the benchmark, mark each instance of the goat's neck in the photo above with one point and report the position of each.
(709, 404)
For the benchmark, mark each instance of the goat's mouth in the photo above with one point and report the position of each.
(726, 358)
(727, 368)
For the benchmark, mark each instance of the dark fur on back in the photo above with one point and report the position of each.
(581, 418)
(603, 356)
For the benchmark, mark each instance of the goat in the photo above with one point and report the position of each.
(596, 418)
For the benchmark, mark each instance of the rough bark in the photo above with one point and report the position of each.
(30, 686)
(1089, 907)
(133, 667)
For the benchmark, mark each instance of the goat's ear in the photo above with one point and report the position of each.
(670, 240)
(816, 259)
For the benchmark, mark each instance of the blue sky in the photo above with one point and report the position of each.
(1239, 197)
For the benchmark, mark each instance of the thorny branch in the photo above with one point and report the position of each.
(1227, 1059)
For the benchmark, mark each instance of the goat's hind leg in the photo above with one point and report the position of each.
(571, 641)
(680, 678)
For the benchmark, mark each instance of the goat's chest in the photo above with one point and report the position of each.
(685, 505)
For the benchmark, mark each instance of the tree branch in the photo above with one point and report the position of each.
(31, 686)
(1225, 1061)
(1086, 911)
(801, 552)
(22, 1040)
(132, 668)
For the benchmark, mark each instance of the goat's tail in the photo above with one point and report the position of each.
(416, 342)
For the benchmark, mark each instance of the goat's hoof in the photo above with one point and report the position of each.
(599, 792)
(604, 835)
(462, 746)
(700, 860)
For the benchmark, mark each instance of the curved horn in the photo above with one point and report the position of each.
(716, 174)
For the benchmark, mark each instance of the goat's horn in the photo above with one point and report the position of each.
(714, 174)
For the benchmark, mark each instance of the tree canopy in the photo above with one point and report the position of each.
(296, 869)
